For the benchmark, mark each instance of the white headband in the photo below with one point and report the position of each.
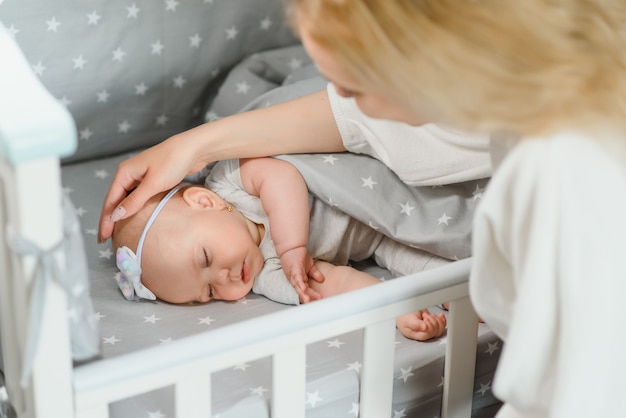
(129, 263)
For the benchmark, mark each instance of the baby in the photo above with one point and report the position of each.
(255, 227)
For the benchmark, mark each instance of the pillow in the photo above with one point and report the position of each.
(134, 73)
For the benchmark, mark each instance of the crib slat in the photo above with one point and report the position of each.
(193, 397)
(289, 383)
(460, 360)
(377, 375)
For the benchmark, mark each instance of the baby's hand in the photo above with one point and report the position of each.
(421, 325)
(299, 267)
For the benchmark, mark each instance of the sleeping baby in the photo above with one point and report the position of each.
(255, 227)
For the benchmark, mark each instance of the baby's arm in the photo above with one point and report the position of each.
(420, 325)
(285, 199)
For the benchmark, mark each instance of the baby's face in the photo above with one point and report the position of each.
(196, 255)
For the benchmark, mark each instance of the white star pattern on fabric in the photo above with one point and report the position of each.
(106, 253)
(443, 219)
(133, 11)
(355, 409)
(243, 87)
(335, 343)
(86, 134)
(242, 367)
(65, 101)
(103, 96)
(331, 202)
(477, 193)
(53, 24)
(356, 366)
(231, 33)
(99, 316)
(171, 5)
(156, 414)
(101, 174)
(93, 18)
(441, 383)
(330, 159)
(406, 208)
(79, 62)
(399, 414)
(405, 373)
(179, 81)
(312, 398)
(118, 54)
(91, 231)
(80, 211)
(206, 320)
(266, 23)
(111, 340)
(151, 319)
(157, 48)
(295, 63)
(123, 127)
(141, 89)
(194, 41)
(13, 31)
(260, 390)
(166, 340)
(484, 388)
(492, 347)
(161, 120)
(368, 182)
(39, 68)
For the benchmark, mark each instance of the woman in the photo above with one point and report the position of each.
(547, 268)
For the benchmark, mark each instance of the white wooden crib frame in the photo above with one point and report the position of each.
(31, 207)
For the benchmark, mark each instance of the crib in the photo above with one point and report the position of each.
(38, 157)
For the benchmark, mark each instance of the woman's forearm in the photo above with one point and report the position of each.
(303, 125)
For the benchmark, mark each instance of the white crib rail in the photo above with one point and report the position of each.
(187, 363)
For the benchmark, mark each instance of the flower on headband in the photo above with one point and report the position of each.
(129, 279)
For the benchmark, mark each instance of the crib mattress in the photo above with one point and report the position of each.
(333, 365)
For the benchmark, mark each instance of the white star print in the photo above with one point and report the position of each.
(13, 31)
(443, 219)
(91, 231)
(53, 24)
(211, 116)
(243, 87)
(161, 120)
(111, 340)
(133, 11)
(368, 182)
(80, 211)
(67, 190)
(171, 5)
(39, 68)
(330, 159)
(194, 41)
(157, 48)
(242, 367)
(123, 127)
(93, 18)
(106, 253)
(156, 414)
(103, 96)
(231, 33)
(484, 388)
(312, 398)
(266, 23)
(65, 101)
(295, 63)
(406, 208)
(152, 319)
(258, 391)
(356, 366)
(99, 316)
(141, 89)
(179, 82)
(405, 373)
(79, 62)
(335, 343)
(492, 347)
(478, 193)
(441, 383)
(86, 134)
(355, 409)
(399, 414)
(118, 54)
(206, 320)
(243, 301)
(331, 202)
(101, 174)
(166, 340)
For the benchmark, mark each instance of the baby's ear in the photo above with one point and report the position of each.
(201, 197)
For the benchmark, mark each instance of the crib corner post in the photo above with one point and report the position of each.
(460, 363)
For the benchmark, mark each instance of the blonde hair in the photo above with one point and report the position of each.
(528, 66)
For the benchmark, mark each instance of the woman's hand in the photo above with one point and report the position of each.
(150, 172)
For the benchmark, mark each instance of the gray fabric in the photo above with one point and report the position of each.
(134, 73)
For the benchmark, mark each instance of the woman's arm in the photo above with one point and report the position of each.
(302, 125)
